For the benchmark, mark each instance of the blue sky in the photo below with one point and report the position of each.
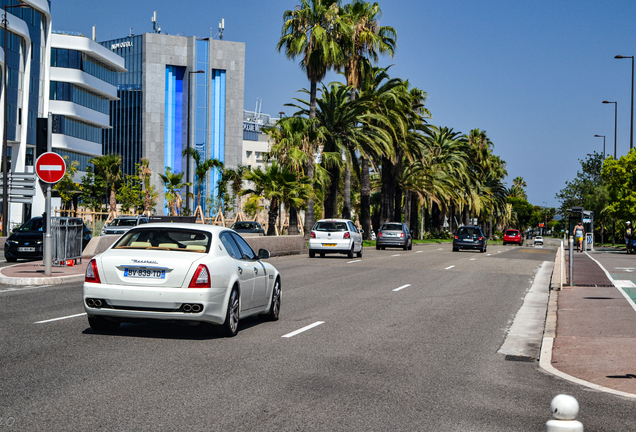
(532, 74)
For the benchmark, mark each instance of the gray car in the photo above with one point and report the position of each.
(394, 234)
(122, 224)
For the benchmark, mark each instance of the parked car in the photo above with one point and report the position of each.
(26, 241)
(538, 240)
(335, 236)
(180, 272)
(122, 224)
(469, 237)
(394, 234)
(513, 236)
(248, 227)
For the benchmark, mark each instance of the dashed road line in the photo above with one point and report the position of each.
(473, 259)
(419, 251)
(354, 261)
(440, 249)
(310, 326)
(488, 254)
(450, 267)
(395, 255)
(22, 288)
(402, 287)
(61, 318)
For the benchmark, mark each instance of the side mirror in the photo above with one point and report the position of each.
(361, 231)
(263, 254)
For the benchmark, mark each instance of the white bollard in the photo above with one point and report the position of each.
(564, 410)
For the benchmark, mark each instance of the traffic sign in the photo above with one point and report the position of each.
(50, 167)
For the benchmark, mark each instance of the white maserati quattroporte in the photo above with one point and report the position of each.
(180, 272)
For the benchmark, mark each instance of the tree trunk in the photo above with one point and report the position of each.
(293, 221)
(310, 218)
(331, 200)
(490, 228)
(397, 207)
(427, 220)
(346, 202)
(365, 198)
(387, 192)
(407, 208)
(271, 220)
(436, 216)
(415, 212)
(466, 215)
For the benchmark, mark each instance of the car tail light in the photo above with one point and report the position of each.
(346, 235)
(456, 238)
(313, 235)
(380, 234)
(481, 238)
(92, 275)
(402, 235)
(201, 278)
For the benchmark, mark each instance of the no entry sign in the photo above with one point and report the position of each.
(50, 167)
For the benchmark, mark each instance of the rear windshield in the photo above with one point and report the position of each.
(391, 227)
(512, 233)
(243, 225)
(123, 222)
(468, 231)
(330, 226)
(166, 239)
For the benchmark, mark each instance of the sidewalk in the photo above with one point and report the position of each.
(596, 326)
(32, 273)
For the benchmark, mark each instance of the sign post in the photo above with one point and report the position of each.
(50, 168)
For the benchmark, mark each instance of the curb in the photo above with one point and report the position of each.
(45, 280)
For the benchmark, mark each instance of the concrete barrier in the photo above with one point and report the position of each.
(276, 245)
(98, 245)
(279, 245)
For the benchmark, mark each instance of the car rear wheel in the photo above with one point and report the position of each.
(102, 324)
(483, 249)
(312, 254)
(411, 246)
(230, 326)
(377, 247)
(350, 254)
(11, 259)
(274, 307)
(360, 253)
(455, 249)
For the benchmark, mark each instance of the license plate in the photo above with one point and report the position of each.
(391, 235)
(329, 244)
(468, 240)
(26, 249)
(145, 273)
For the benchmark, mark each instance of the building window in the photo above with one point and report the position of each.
(70, 127)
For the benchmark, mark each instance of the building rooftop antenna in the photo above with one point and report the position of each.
(221, 28)
(155, 26)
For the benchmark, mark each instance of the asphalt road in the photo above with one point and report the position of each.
(408, 341)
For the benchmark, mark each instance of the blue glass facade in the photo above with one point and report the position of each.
(15, 52)
(200, 109)
(63, 91)
(72, 59)
(173, 120)
(125, 138)
(217, 123)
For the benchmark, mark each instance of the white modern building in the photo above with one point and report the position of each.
(24, 59)
(255, 142)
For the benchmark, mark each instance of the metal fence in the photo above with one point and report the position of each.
(67, 234)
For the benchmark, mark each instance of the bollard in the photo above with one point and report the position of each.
(564, 410)
(571, 262)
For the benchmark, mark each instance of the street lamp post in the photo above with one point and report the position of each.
(5, 143)
(598, 136)
(188, 138)
(631, 119)
(615, 122)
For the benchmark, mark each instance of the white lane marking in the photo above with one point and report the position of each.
(354, 261)
(498, 251)
(473, 259)
(419, 251)
(402, 287)
(396, 255)
(310, 326)
(61, 318)
(440, 249)
(488, 254)
(448, 268)
(11, 289)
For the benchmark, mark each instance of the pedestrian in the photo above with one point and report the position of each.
(579, 234)
(629, 236)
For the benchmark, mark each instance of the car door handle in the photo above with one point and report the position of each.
(255, 270)
(240, 270)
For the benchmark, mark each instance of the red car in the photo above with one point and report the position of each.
(513, 236)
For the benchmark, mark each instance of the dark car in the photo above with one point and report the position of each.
(394, 234)
(469, 237)
(248, 227)
(26, 241)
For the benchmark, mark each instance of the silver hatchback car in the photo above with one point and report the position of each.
(394, 234)
(335, 236)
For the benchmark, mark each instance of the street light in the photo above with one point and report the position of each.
(5, 144)
(188, 138)
(615, 122)
(598, 136)
(631, 119)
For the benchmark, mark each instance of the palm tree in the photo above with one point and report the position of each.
(235, 178)
(517, 189)
(173, 182)
(309, 32)
(144, 176)
(201, 168)
(109, 167)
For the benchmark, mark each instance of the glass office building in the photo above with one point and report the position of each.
(175, 89)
